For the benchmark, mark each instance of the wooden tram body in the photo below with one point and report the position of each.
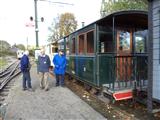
(110, 53)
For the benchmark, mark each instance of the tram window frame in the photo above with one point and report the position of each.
(67, 46)
(61, 44)
(73, 45)
(90, 42)
(54, 47)
(82, 44)
(144, 41)
(106, 41)
(120, 46)
(103, 48)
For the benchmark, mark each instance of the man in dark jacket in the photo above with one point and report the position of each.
(59, 62)
(43, 69)
(25, 69)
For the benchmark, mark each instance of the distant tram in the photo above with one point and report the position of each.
(111, 53)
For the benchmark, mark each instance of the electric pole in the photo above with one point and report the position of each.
(42, 19)
(36, 23)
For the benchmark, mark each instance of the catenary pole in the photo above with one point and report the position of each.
(36, 23)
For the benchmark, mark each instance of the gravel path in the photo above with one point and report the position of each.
(56, 104)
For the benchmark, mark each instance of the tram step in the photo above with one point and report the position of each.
(119, 94)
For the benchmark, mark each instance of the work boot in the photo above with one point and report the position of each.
(24, 89)
(46, 89)
(42, 88)
(62, 85)
(57, 85)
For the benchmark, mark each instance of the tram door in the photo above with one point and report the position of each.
(123, 58)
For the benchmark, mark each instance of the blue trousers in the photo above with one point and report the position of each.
(26, 79)
(59, 79)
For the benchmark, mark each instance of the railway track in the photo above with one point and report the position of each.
(7, 74)
(6, 82)
(6, 77)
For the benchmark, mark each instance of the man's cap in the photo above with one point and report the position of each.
(61, 50)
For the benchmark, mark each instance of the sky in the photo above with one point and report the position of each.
(15, 14)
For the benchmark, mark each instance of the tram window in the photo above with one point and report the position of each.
(54, 49)
(61, 45)
(106, 43)
(102, 47)
(81, 44)
(124, 40)
(90, 42)
(140, 39)
(73, 45)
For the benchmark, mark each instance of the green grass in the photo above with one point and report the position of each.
(2, 62)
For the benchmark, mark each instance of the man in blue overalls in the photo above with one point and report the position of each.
(59, 62)
(25, 69)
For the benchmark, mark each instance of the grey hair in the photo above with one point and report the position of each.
(26, 52)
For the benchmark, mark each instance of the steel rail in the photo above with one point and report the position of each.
(2, 72)
(12, 74)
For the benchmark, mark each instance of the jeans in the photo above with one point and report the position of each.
(26, 79)
(59, 79)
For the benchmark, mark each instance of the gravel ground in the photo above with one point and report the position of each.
(56, 104)
(120, 110)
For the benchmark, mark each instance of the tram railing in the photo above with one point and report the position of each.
(123, 71)
(131, 71)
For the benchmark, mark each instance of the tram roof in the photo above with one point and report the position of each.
(125, 14)
(137, 16)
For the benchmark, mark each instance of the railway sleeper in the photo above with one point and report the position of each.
(3, 94)
(5, 89)
(2, 99)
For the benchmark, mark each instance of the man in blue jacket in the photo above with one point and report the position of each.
(59, 62)
(25, 69)
(43, 69)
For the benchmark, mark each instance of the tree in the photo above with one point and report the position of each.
(20, 46)
(117, 5)
(68, 24)
(4, 48)
(63, 25)
(4, 45)
(55, 33)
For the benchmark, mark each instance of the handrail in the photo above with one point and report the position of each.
(124, 71)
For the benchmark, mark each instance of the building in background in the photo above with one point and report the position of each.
(154, 54)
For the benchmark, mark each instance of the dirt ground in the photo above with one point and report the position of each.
(119, 110)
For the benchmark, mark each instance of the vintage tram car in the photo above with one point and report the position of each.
(110, 53)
